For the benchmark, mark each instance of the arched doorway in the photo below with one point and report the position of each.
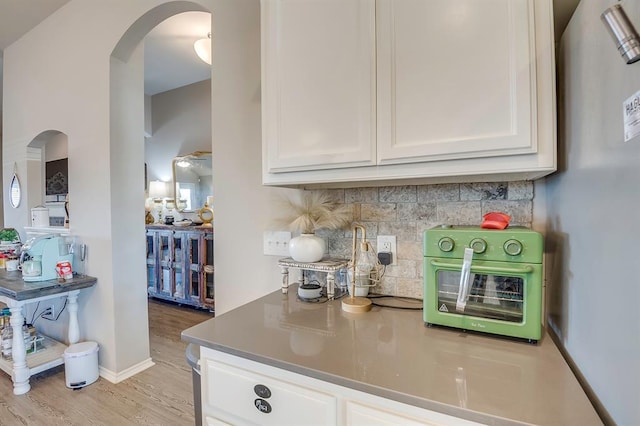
(127, 180)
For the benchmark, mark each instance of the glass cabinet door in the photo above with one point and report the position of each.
(177, 266)
(194, 266)
(165, 249)
(208, 270)
(491, 296)
(152, 267)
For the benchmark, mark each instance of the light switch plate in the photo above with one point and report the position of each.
(276, 243)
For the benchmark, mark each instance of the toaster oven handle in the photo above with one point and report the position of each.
(486, 269)
(464, 289)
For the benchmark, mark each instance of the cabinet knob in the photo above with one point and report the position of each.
(262, 405)
(262, 391)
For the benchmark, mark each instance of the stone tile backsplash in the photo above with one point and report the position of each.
(406, 211)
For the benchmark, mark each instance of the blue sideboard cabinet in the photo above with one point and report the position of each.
(180, 264)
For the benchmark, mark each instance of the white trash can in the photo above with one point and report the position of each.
(81, 364)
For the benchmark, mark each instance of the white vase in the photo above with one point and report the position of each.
(306, 248)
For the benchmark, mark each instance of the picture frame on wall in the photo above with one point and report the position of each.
(57, 179)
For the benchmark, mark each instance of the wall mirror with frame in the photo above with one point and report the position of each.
(192, 180)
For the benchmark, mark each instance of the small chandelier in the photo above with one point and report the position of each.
(203, 48)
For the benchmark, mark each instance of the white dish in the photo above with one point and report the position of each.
(182, 223)
(309, 291)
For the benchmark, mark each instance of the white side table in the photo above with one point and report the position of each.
(328, 265)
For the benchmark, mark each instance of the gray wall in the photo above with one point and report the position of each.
(180, 125)
(593, 204)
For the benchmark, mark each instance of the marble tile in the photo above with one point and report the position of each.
(386, 286)
(378, 212)
(403, 269)
(397, 194)
(336, 194)
(422, 226)
(407, 211)
(438, 192)
(410, 250)
(483, 191)
(520, 190)
(361, 195)
(340, 247)
(417, 211)
(521, 211)
(404, 231)
(460, 212)
(410, 288)
(356, 209)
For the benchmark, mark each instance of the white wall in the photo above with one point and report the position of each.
(72, 94)
(242, 205)
(592, 221)
(181, 124)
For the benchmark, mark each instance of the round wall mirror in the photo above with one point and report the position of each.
(15, 192)
(192, 180)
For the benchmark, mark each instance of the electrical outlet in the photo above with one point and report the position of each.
(49, 313)
(276, 243)
(387, 243)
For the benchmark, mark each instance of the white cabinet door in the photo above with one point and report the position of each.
(211, 421)
(361, 414)
(455, 79)
(243, 397)
(318, 84)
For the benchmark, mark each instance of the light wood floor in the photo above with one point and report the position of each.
(160, 395)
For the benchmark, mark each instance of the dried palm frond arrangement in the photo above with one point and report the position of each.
(314, 210)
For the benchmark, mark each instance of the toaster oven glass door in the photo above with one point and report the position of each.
(499, 297)
(494, 296)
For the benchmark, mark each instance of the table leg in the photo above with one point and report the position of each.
(21, 372)
(285, 279)
(74, 328)
(331, 282)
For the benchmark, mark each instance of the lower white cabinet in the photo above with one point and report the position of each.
(210, 421)
(238, 391)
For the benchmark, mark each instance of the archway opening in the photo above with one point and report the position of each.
(127, 180)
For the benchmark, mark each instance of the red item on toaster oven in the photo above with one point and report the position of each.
(495, 220)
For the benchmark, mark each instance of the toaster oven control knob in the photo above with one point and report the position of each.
(513, 247)
(446, 244)
(478, 245)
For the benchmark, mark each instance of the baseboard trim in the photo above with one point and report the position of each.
(114, 377)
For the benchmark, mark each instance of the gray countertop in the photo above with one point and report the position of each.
(390, 353)
(14, 287)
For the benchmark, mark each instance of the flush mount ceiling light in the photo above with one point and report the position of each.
(203, 48)
(623, 33)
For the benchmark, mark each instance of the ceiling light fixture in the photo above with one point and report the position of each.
(203, 48)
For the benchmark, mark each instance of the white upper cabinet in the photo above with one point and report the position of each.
(390, 90)
(454, 79)
(318, 69)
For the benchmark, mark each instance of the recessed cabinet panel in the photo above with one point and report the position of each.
(231, 391)
(454, 79)
(367, 413)
(319, 83)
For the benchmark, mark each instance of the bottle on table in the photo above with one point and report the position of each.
(6, 337)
